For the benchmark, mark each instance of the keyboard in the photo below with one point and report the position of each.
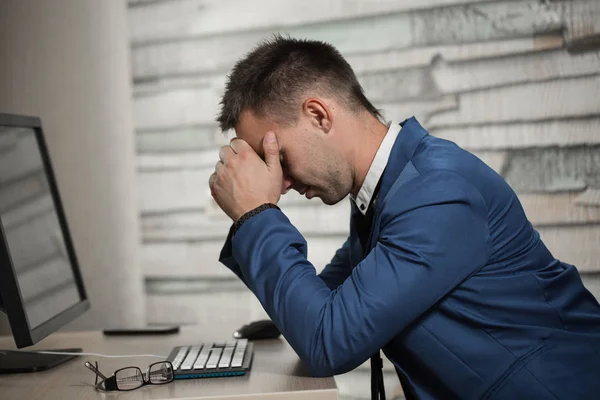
(212, 359)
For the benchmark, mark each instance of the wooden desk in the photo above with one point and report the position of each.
(276, 372)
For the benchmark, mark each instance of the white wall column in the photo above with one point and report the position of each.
(67, 61)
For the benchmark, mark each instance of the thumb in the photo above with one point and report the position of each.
(271, 148)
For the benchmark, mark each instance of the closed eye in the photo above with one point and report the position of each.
(282, 157)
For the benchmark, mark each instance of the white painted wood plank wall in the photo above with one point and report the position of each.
(512, 81)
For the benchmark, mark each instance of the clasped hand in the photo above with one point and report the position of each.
(242, 181)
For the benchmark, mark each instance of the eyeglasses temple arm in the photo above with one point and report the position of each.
(94, 370)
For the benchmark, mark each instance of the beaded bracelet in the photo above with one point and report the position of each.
(251, 214)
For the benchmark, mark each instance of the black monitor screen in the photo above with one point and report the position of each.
(33, 234)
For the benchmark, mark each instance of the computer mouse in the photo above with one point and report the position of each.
(256, 330)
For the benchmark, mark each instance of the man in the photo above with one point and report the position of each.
(442, 270)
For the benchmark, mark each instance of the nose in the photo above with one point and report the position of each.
(286, 183)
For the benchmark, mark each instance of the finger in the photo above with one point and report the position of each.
(218, 167)
(239, 145)
(271, 148)
(211, 182)
(225, 153)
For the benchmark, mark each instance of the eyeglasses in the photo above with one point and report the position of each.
(130, 378)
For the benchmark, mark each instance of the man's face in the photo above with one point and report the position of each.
(311, 160)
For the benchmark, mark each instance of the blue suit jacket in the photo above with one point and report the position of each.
(457, 288)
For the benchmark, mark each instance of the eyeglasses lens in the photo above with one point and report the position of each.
(161, 373)
(129, 378)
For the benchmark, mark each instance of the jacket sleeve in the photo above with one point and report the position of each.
(333, 274)
(226, 256)
(429, 242)
(340, 268)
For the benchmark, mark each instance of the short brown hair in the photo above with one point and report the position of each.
(271, 78)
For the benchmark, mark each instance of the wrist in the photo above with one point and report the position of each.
(243, 211)
(249, 207)
(249, 214)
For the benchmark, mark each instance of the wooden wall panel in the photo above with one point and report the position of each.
(575, 97)
(558, 209)
(178, 139)
(400, 84)
(554, 169)
(176, 108)
(174, 190)
(230, 308)
(184, 18)
(491, 72)
(181, 227)
(591, 197)
(195, 259)
(565, 132)
(184, 160)
(422, 56)
(448, 25)
(149, 86)
(582, 20)
(419, 108)
(376, 61)
(197, 226)
(576, 245)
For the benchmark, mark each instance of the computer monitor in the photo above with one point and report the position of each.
(41, 288)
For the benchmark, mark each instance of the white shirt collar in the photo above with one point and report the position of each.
(365, 194)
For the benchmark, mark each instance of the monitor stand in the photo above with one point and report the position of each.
(16, 361)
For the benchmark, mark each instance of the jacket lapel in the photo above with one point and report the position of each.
(398, 170)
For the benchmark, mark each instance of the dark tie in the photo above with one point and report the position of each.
(363, 228)
(364, 223)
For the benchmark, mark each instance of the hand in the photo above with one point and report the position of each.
(242, 181)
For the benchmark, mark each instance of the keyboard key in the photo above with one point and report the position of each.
(236, 362)
(239, 352)
(213, 360)
(179, 357)
(238, 357)
(189, 361)
(225, 359)
(203, 357)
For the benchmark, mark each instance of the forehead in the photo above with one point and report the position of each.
(252, 129)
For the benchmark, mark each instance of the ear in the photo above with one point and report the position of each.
(319, 113)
